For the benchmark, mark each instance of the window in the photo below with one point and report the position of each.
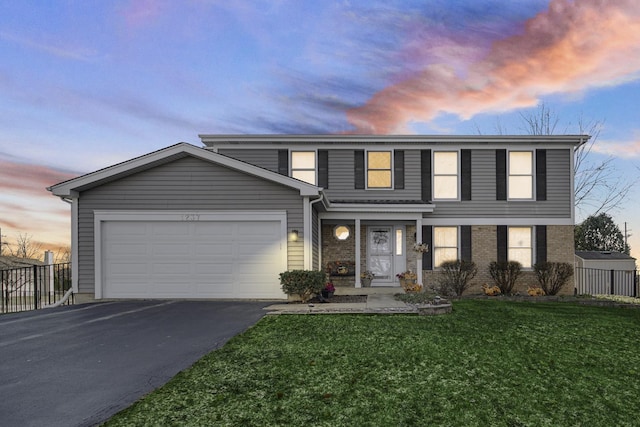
(445, 245)
(303, 166)
(445, 175)
(520, 183)
(520, 245)
(399, 242)
(379, 169)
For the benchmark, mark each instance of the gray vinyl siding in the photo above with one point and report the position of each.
(185, 184)
(483, 191)
(342, 179)
(267, 159)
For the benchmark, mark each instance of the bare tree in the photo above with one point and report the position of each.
(62, 255)
(599, 187)
(26, 247)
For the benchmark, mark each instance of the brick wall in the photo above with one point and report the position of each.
(560, 248)
(338, 250)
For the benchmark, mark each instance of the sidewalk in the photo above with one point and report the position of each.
(379, 301)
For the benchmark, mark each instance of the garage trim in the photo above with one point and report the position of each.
(185, 216)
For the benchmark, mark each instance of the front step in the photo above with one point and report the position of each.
(373, 290)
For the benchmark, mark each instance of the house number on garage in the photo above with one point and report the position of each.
(191, 217)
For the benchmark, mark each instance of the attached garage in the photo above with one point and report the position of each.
(190, 255)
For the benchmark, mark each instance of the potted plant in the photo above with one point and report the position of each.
(407, 279)
(328, 290)
(365, 278)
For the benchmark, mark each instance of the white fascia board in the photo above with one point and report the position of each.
(496, 221)
(371, 216)
(286, 141)
(65, 188)
(391, 208)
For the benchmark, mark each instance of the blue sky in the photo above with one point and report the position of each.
(84, 85)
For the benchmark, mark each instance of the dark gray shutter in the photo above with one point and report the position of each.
(358, 161)
(501, 237)
(465, 243)
(465, 177)
(425, 162)
(398, 169)
(323, 168)
(501, 174)
(427, 257)
(283, 162)
(541, 174)
(541, 243)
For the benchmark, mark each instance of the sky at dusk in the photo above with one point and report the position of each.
(87, 84)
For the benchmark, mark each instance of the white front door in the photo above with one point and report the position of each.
(385, 253)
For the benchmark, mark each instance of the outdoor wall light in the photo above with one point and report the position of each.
(293, 236)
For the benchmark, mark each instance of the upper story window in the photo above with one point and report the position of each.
(445, 175)
(520, 245)
(303, 166)
(379, 169)
(445, 245)
(520, 183)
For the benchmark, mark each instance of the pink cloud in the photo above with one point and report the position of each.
(28, 178)
(569, 48)
(623, 149)
(140, 13)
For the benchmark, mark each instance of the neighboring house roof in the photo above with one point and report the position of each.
(166, 155)
(603, 255)
(10, 262)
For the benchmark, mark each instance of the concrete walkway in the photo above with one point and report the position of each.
(380, 300)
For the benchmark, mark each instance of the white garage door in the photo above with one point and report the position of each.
(192, 259)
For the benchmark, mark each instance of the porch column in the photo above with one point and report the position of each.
(357, 241)
(419, 257)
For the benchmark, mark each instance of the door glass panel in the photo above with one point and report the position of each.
(380, 252)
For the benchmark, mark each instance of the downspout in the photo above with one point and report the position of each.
(73, 201)
(309, 243)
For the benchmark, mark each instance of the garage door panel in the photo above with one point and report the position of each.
(200, 259)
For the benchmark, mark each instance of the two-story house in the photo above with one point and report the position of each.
(223, 221)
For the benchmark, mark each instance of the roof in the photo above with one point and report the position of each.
(603, 255)
(237, 140)
(11, 262)
(71, 187)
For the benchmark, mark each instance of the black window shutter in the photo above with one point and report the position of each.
(501, 174)
(465, 243)
(541, 243)
(427, 257)
(398, 169)
(465, 165)
(541, 174)
(425, 161)
(501, 234)
(358, 161)
(323, 168)
(283, 162)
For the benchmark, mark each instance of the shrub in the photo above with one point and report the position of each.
(455, 276)
(505, 274)
(552, 276)
(304, 283)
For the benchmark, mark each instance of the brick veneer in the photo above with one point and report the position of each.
(560, 248)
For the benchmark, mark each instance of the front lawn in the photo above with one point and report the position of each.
(492, 363)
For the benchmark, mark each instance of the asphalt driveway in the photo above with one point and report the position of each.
(79, 365)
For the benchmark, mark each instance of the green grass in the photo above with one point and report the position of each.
(490, 363)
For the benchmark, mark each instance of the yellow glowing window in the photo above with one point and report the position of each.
(379, 169)
(520, 175)
(445, 244)
(303, 166)
(445, 175)
(521, 245)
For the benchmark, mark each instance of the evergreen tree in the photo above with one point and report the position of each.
(599, 233)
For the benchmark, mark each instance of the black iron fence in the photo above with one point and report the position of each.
(31, 288)
(594, 281)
